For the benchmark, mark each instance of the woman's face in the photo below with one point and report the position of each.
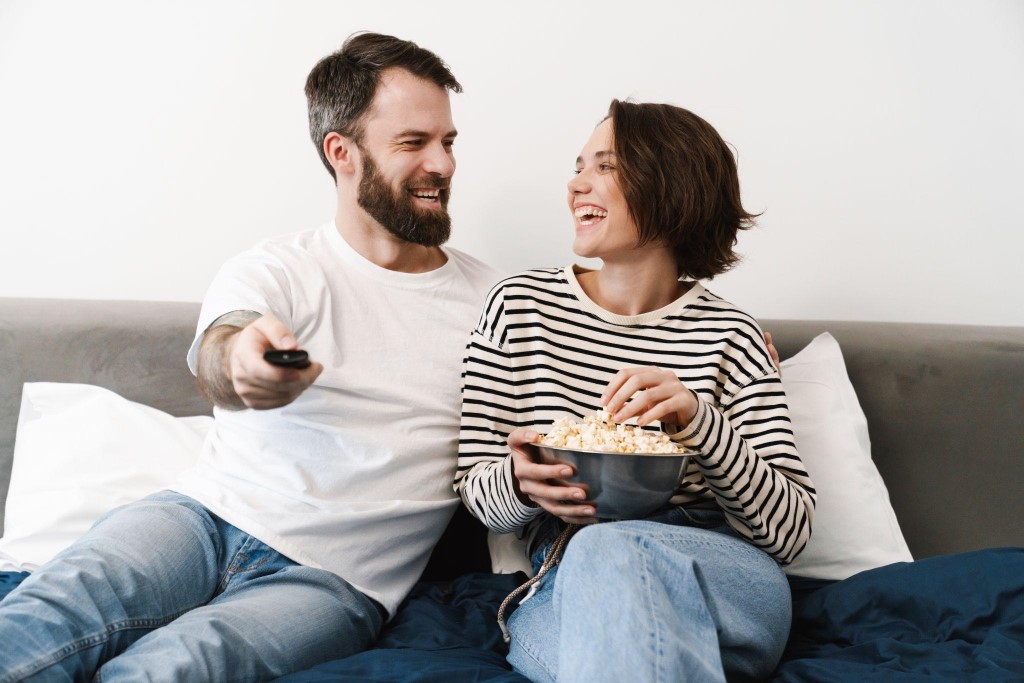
(600, 214)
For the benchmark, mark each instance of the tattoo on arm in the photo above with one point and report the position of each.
(214, 372)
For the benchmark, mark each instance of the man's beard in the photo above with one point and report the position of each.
(396, 210)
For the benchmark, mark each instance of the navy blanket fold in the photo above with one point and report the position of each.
(954, 617)
(443, 633)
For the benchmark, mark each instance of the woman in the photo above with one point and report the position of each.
(695, 591)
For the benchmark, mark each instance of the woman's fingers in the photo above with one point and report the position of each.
(625, 384)
(648, 401)
(649, 394)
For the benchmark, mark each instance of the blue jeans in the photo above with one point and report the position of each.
(163, 590)
(676, 597)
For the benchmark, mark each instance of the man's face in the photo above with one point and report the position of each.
(407, 160)
(396, 209)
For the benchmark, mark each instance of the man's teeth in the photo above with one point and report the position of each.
(426, 194)
(588, 215)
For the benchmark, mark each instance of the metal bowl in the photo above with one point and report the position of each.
(620, 485)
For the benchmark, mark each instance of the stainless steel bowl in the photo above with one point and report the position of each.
(621, 485)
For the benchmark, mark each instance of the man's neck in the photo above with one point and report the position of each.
(371, 241)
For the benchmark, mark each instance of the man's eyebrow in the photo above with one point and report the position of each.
(412, 133)
(603, 154)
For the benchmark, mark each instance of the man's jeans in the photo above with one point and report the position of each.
(163, 590)
(677, 597)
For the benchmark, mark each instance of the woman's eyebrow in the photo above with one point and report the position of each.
(603, 154)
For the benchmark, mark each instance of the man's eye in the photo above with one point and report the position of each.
(448, 144)
(412, 143)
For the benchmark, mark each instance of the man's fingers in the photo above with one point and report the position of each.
(772, 351)
(275, 332)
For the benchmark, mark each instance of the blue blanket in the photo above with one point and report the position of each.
(956, 617)
(442, 634)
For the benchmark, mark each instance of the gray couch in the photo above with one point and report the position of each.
(945, 404)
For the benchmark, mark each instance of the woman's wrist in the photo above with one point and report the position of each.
(685, 416)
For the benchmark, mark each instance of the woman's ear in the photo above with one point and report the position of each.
(341, 153)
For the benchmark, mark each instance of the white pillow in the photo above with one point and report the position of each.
(80, 451)
(855, 527)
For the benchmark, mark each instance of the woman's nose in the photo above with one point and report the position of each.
(578, 182)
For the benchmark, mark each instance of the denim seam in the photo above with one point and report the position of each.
(86, 643)
(739, 544)
(530, 652)
(646, 575)
(234, 567)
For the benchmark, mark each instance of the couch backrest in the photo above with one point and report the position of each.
(943, 402)
(134, 348)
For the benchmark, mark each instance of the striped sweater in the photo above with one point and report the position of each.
(543, 350)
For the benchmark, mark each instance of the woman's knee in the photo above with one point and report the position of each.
(608, 543)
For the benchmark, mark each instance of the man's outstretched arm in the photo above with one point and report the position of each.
(231, 370)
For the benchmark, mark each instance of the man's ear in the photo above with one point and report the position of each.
(342, 153)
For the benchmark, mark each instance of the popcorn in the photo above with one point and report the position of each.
(600, 433)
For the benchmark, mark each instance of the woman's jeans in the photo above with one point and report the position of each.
(162, 590)
(676, 597)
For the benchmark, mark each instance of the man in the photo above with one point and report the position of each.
(321, 491)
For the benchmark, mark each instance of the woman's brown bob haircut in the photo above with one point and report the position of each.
(342, 85)
(681, 185)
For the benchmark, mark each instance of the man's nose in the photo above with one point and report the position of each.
(439, 161)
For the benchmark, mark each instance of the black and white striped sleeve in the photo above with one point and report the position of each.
(751, 466)
(483, 478)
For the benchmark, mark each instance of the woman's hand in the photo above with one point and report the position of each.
(544, 485)
(649, 394)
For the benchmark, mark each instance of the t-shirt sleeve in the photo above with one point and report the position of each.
(255, 280)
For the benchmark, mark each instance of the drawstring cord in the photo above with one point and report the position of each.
(553, 557)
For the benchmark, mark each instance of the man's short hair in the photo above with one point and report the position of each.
(681, 185)
(341, 86)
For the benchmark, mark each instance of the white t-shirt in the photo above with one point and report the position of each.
(355, 476)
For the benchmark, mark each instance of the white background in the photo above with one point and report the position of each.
(143, 143)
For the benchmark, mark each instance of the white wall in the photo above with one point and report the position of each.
(142, 143)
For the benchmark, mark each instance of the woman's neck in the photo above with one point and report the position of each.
(643, 283)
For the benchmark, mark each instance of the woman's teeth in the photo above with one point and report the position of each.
(589, 215)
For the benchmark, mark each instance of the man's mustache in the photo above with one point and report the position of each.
(429, 183)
